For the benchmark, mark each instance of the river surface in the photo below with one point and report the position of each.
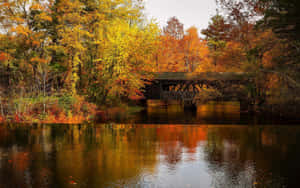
(208, 154)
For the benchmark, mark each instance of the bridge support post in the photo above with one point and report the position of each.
(190, 106)
(247, 106)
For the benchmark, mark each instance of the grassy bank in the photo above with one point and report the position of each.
(50, 109)
(64, 109)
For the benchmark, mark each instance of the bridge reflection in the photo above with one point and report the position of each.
(211, 112)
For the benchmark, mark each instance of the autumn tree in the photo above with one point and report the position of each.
(170, 56)
(283, 18)
(24, 25)
(179, 51)
(174, 28)
(240, 40)
(120, 50)
(75, 50)
(195, 50)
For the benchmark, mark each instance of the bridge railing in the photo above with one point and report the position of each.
(178, 95)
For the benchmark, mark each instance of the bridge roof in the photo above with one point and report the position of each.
(211, 76)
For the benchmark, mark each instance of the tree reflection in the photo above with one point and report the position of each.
(245, 155)
(114, 155)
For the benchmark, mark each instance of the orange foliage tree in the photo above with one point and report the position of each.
(182, 52)
(195, 51)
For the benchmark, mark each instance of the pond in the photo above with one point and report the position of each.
(152, 155)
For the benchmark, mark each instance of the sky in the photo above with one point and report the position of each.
(189, 12)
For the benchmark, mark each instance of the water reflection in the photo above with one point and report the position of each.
(148, 156)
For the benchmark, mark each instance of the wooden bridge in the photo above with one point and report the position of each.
(198, 87)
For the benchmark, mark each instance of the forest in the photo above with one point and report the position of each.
(63, 61)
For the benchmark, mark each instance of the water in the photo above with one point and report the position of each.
(151, 155)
